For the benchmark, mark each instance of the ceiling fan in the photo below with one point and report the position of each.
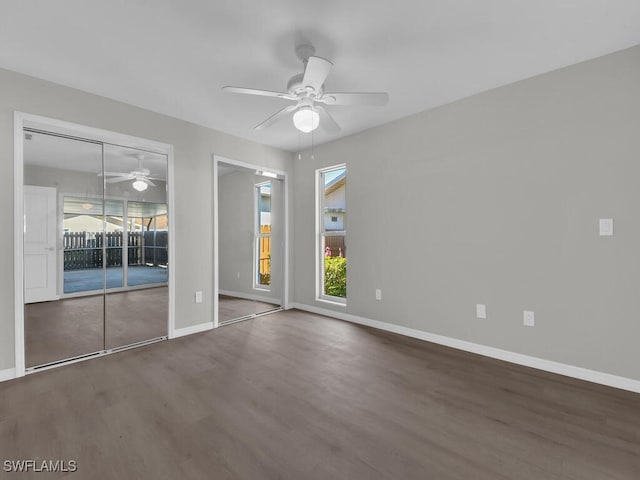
(141, 176)
(307, 90)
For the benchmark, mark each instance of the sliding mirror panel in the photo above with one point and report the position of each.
(64, 273)
(249, 242)
(136, 304)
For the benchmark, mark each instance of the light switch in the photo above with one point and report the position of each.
(481, 310)
(606, 227)
(198, 297)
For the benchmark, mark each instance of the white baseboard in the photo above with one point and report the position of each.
(8, 374)
(517, 358)
(202, 327)
(250, 296)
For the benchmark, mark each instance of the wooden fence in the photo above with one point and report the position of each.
(265, 256)
(337, 246)
(84, 250)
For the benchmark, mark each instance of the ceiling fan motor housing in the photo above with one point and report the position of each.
(296, 88)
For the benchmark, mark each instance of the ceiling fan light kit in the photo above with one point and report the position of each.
(141, 177)
(307, 90)
(139, 185)
(306, 119)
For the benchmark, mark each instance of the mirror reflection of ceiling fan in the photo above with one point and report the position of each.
(141, 176)
(307, 90)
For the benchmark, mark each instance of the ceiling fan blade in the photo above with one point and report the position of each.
(148, 182)
(118, 179)
(327, 122)
(316, 72)
(356, 98)
(113, 174)
(254, 91)
(276, 116)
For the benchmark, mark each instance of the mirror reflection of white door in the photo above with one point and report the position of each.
(40, 244)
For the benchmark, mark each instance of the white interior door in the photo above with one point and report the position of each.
(40, 244)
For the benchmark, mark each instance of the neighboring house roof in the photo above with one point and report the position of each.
(336, 183)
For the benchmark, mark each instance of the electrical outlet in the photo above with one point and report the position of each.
(378, 294)
(481, 310)
(529, 319)
(198, 296)
(606, 227)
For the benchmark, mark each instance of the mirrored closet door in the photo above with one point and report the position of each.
(250, 241)
(139, 247)
(95, 247)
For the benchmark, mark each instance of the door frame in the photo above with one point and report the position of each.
(22, 120)
(285, 247)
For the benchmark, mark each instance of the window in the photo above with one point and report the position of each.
(262, 248)
(332, 248)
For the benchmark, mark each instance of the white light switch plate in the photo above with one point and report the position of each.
(529, 319)
(481, 310)
(198, 297)
(606, 227)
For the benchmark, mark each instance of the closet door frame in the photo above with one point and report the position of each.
(24, 120)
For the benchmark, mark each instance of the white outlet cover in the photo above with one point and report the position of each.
(378, 294)
(528, 318)
(606, 227)
(481, 310)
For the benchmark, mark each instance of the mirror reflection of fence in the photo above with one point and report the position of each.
(84, 249)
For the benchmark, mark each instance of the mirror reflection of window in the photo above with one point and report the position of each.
(263, 235)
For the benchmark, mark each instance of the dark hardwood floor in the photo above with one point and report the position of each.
(71, 327)
(231, 308)
(298, 396)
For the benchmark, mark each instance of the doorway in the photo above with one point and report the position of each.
(249, 241)
(96, 249)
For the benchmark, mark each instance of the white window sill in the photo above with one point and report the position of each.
(332, 301)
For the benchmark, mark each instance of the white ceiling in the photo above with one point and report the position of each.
(173, 56)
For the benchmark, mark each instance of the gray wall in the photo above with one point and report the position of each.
(495, 199)
(193, 147)
(236, 211)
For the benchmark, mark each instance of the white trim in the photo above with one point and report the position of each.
(171, 254)
(250, 296)
(337, 301)
(214, 222)
(202, 327)
(18, 239)
(22, 120)
(285, 261)
(508, 356)
(7, 374)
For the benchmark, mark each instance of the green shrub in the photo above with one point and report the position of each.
(335, 276)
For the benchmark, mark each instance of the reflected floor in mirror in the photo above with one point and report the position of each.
(231, 308)
(74, 326)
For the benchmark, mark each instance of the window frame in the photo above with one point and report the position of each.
(322, 233)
